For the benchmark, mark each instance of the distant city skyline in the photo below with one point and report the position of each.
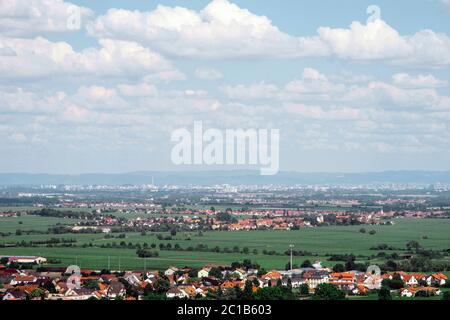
(100, 86)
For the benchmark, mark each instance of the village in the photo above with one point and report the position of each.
(236, 281)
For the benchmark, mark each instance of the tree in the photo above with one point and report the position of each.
(306, 264)
(247, 294)
(304, 289)
(413, 245)
(446, 295)
(274, 293)
(50, 287)
(162, 285)
(339, 268)
(372, 232)
(238, 292)
(37, 293)
(91, 284)
(350, 264)
(173, 232)
(326, 291)
(384, 294)
(396, 282)
(224, 216)
(362, 230)
(215, 272)
(288, 266)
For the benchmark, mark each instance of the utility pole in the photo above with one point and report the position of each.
(290, 248)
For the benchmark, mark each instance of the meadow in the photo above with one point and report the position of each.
(319, 241)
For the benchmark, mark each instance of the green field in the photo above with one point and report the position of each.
(320, 241)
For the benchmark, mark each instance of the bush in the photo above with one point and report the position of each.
(326, 291)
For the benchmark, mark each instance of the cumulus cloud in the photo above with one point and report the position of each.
(31, 17)
(255, 91)
(419, 81)
(379, 41)
(39, 57)
(320, 113)
(221, 29)
(138, 90)
(224, 30)
(208, 74)
(405, 91)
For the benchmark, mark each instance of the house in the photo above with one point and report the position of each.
(438, 279)
(317, 265)
(272, 275)
(412, 292)
(116, 290)
(407, 292)
(15, 295)
(133, 279)
(314, 278)
(345, 281)
(25, 259)
(176, 293)
(170, 271)
(240, 274)
(360, 289)
(22, 279)
(295, 281)
(79, 294)
(190, 290)
(413, 279)
(229, 284)
(203, 273)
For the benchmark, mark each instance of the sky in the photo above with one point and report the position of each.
(99, 86)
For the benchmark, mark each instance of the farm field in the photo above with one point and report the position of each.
(319, 241)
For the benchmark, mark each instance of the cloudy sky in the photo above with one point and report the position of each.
(350, 90)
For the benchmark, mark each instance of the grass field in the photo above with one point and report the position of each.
(320, 241)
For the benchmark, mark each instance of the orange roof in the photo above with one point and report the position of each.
(24, 278)
(440, 276)
(362, 288)
(272, 275)
(102, 286)
(27, 289)
(230, 284)
(349, 275)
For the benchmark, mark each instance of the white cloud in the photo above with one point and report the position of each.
(208, 74)
(320, 113)
(223, 30)
(220, 30)
(138, 90)
(314, 87)
(419, 81)
(379, 41)
(313, 74)
(31, 17)
(39, 57)
(376, 40)
(259, 90)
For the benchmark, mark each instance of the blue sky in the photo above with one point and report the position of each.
(347, 94)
